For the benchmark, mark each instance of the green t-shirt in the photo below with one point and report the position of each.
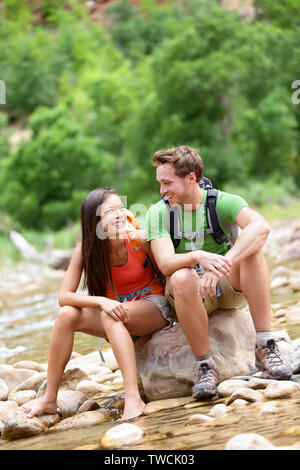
(228, 206)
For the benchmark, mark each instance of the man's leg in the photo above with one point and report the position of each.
(251, 277)
(191, 313)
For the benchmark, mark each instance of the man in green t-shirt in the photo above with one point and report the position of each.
(202, 275)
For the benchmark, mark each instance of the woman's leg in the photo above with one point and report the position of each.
(68, 321)
(143, 318)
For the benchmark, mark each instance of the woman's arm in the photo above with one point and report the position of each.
(69, 296)
(70, 283)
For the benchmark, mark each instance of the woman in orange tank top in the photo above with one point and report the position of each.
(124, 298)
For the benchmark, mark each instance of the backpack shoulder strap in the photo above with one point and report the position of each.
(137, 247)
(212, 217)
(174, 223)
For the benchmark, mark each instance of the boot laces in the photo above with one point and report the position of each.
(273, 352)
(205, 373)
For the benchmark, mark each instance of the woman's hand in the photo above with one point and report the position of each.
(208, 285)
(115, 309)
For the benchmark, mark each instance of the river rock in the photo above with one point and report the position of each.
(293, 315)
(249, 441)
(166, 404)
(227, 387)
(167, 365)
(259, 384)
(199, 418)
(32, 365)
(296, 344)
(91, 363)
(16, 424)
(218, 410)
(239, 403)
(22, 396)
(88, 405)
(69, 401)
(281, 389)
(268, 409)
(290, 251)
(110, 360)
(13, 377)
(88, 387)
(246, 394)
(294, 360)
(33, 383)
(3, 390)
(70, 379)
(104, 374)
(82, 420)
(122, 434)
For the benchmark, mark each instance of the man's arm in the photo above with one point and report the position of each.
(168, 261)
(254, 234)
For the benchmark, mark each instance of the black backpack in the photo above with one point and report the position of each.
(212, 217)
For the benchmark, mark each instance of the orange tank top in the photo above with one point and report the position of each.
(134, 281)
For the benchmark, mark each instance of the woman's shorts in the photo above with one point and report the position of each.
(162, 303)
(229, 298)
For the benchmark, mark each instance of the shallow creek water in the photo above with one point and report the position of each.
(26, 320)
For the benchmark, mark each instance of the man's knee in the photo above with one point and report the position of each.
(183, 281)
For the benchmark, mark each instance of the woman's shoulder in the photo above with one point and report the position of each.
(77, 253)
(78, 247)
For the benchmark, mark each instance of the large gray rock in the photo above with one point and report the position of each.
(166, 364)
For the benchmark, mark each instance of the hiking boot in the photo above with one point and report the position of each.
(206, 382)
(270, 358)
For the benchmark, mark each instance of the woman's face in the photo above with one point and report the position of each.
(113, 216)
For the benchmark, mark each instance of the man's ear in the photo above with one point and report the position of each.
(192, 177)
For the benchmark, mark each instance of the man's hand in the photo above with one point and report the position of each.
(115, 309)
(216, 264)
(208, 285)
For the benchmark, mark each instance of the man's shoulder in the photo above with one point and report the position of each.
(228, 205)
(159, 206)
(226, 197)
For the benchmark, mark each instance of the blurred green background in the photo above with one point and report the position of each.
(94, 88)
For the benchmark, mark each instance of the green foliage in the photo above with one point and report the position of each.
(43, 177)
(283, 13)
(272, 191)
(101, 99)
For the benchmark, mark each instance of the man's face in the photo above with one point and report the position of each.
(172, 186)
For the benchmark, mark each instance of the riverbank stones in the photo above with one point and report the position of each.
(245, 394)
(281, 389)
(122, 434)
(167, 365)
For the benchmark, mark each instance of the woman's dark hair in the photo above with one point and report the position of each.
(95, 249)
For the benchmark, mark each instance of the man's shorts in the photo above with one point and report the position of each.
(229, 298)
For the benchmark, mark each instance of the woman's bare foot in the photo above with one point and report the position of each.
(39, 407)
(133, 408)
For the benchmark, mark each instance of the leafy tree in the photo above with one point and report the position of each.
(43, 178)
(282, 13)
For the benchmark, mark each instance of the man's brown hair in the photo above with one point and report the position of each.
(184, 160)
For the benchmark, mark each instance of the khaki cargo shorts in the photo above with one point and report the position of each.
(229, 298)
